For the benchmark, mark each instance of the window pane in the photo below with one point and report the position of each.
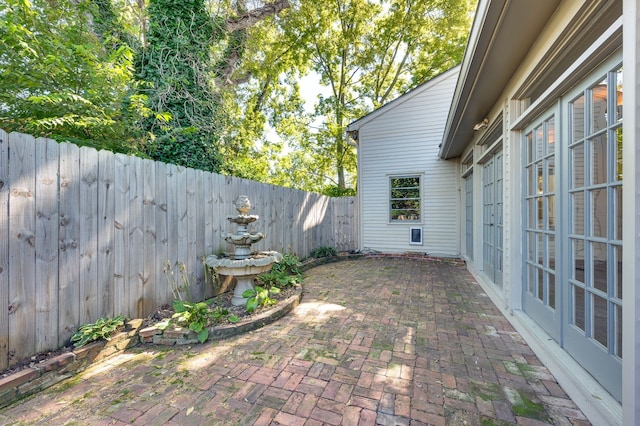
(617, 205)
(578, 307)
(552, 290)
(599, 160)
(405, 198)
(617, 253)
(577, 207)
(577, 165)
(618, 320)
(539, 143)
(551, 135)
(599, 266)
(539, 178)
(599, 106)
(578, 260)
(529, 146)
(540, 249)
(599, 212)
(531, 177)
(551, 178)
(532, 279)
(540, 212)
(540, 293)
(619, 96)
(618, 174)
(577, 119)
(600, 329)
(551, 213)
(551, 252)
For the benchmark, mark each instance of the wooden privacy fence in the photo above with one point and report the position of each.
(86, 234)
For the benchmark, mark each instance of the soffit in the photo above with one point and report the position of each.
(502, 34)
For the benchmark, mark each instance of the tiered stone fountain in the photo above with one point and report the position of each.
(243, 265)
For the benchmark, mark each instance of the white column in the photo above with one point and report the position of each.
(631, 215)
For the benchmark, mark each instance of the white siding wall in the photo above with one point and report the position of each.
(404, 139)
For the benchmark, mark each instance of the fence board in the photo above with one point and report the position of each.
(4, 247)
(200, 206)
(105, 232)
(22, 325)
(149, 243)
(136, 238)
(46, 268)
(192, 229)
(121, 236)
(162, 239)
(69, 235)
(88, 243)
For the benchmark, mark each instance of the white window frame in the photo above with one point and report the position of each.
(390, 199)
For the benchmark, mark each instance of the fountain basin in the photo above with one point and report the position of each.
(244, 270)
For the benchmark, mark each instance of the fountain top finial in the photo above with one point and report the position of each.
(243, 205)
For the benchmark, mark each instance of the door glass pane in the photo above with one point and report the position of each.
(552, 290)
(539, 178)
(600, 332)
(551, 252)
(539, 143)
(617, 205)
(533, 274)
(577, 163)
(529, 147)
(618, 320)
(577, 204)
(598, 106)
(619, 96)
(539, 213)
(599, 207)
(551, 135)
(578, 260)
(551, 212)
(578, 307)
(617, 253)
(577, 119)
(551, 178)
(599, 160)
(531, 212)
(540, 292)
(618, 174)
(540, 251)
(599, 265)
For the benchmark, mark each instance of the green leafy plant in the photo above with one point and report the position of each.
(219, 314)
(324, 251)
(290, 263)
(196, 316)
(280, 279)
(259, 296)
(101, 329)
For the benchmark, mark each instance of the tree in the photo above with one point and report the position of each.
(59, 79)
(368, 52)
(189, 58)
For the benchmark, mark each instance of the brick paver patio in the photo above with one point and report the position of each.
(388, 341)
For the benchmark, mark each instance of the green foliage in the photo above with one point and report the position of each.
(195, 316)
(324, 251)
(59, 79)
(101, 329)
(175, 70)
(283, 274)
(279, 279)
(259, 297)
(336, 191)
(290, 264)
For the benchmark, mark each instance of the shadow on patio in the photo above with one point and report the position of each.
(374, 341)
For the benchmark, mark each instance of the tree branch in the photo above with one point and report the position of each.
(256, 15)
